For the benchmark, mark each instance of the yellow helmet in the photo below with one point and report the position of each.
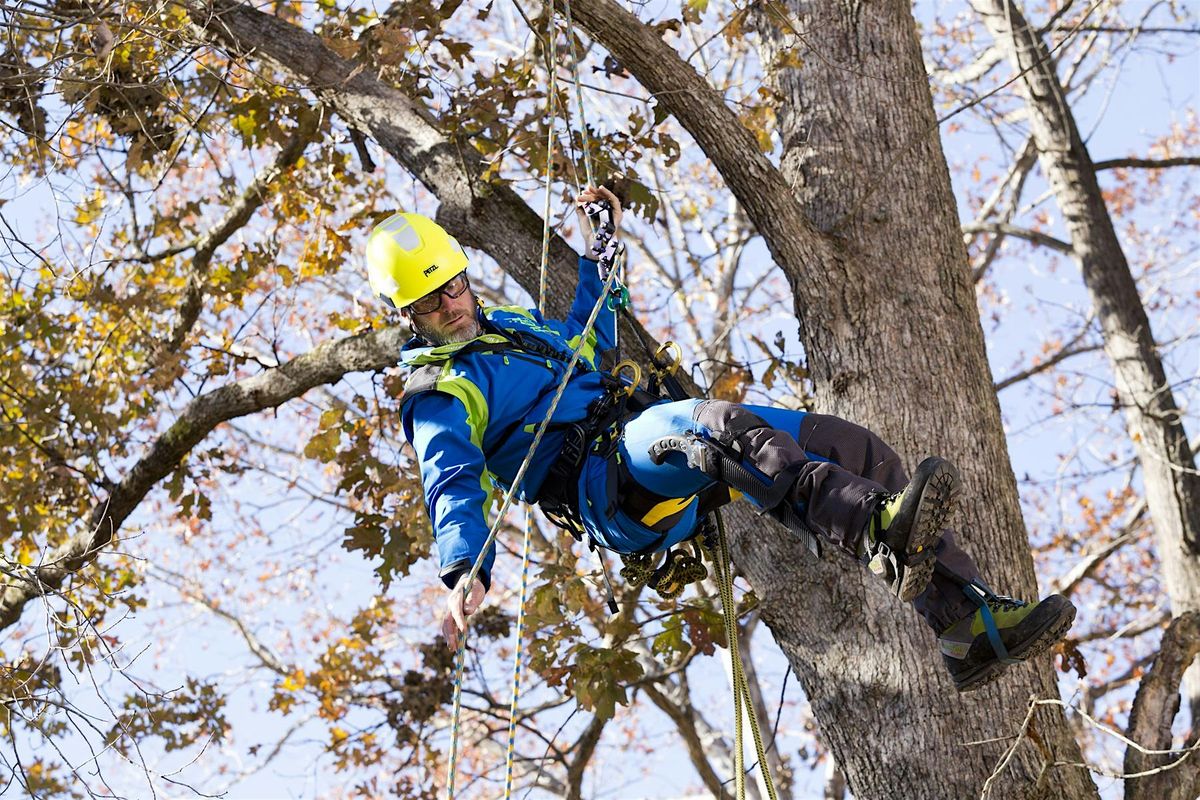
(410, 255)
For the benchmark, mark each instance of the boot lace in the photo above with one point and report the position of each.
(1000, 603)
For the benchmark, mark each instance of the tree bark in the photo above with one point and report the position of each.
(1152, 417)
(889, 322)
(1154, 709)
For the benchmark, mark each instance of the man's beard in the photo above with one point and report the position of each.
(438, 338)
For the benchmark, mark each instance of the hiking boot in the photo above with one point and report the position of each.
(905, 527)
(1023, 630)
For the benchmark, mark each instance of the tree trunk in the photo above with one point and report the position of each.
(892, 332)
(883, 702)
(1152, 418)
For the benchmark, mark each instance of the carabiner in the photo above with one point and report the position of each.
(637, 376)
(672, 366)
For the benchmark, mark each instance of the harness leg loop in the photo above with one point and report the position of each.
(725, 467)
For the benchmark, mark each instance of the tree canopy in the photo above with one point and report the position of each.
(945, 227)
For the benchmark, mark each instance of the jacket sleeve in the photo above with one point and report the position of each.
(457, 484)
(604, 333)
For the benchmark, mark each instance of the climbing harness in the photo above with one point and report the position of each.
(723, 465)
(601, 434)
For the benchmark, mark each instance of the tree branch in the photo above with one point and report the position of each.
(1013, 184)
(1148, 163)
(760, 188)
(326, 363)
(238, 214)
(1072, 348)
(1068, 583)
(1154, 709)
(196, 594)
(488, 216)
(1004, 228)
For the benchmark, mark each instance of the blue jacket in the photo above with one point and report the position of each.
(471, 409)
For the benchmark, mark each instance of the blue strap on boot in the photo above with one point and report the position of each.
(979, 594)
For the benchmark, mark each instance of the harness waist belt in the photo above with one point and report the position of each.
(558, 496)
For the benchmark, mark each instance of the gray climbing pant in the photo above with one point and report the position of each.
(839, 470)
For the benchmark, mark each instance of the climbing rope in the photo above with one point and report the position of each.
(741, 686)
(504, 506)
(587, 146)
(455, 717)
(549, 48)
(460, 660)
(510, 751)
(615, 296)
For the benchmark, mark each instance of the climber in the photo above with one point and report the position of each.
(636, 473)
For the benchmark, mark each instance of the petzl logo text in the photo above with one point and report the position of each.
(431, 269)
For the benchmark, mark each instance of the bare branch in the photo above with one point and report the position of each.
(1119, 29)
(194, 593)
(1012, 185)
(1148, 163)
(1037, 237)
(1069, 582)
(1154, 709)
(1071, 348)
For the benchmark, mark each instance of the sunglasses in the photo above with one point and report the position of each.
(433, 301)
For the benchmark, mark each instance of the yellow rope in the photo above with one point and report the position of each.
(741, 686)
(517, 639)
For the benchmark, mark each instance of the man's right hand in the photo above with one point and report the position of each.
(458, 608)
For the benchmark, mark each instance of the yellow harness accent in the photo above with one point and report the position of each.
(672, 505)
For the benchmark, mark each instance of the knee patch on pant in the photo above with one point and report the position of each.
(769, 450)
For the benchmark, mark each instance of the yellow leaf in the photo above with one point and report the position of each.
(25, 554)
(297, 680)
(87, 212)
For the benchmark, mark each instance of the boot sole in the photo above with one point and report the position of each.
(937, 500)
(1039, 643)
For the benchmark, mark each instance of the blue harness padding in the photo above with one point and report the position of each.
(673, 478)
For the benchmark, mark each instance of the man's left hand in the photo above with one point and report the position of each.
(454, 623)
(593, 193)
